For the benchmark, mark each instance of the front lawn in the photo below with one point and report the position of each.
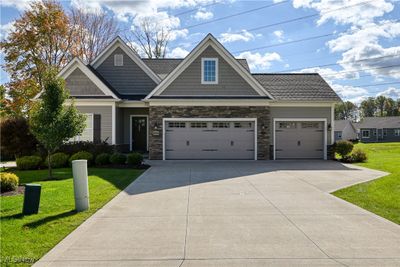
(381, 196)
(29, 237)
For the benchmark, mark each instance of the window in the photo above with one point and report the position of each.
(176, 124)
(118, 60)
(287, 125)
(396, 132)
(209, 70)
(384, 132)
(365, 133)
(242, 124)
(221, 125)
(87, 134)
(339, 135)
(198, 125)
(313, 125)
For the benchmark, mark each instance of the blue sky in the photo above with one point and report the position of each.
(357, 30)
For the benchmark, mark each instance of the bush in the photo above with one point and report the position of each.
(29, 162)
(102, 159)
(135, 159)
(82, 155)
(343, 148)
(358, 155)
(118, 158)
(8, 181)
(16, 139)
(58, 160)
(96, 149)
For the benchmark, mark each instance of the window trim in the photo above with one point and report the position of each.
(362, 134)
(397, 132)
(77, 138)
(115, 60)
(215, 59)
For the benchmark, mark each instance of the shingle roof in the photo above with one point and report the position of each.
(379, 122)
(297, 86)
(163, 66)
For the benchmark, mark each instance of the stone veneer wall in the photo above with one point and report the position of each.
(157, 113)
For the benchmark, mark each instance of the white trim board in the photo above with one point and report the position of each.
(130, 130)
(324, 120)
(118, 42)
(210, 119)
(210, 40)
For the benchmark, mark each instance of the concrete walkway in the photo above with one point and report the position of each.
(234, 213)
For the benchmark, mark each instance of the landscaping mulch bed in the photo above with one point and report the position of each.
(20, 190)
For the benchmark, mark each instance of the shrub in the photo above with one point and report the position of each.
(358, 155)
(16, 139)
(102, 159)
(58, 160)
(118, 158)
(96, 149)
(135, 159)
(82, 155)
(8, 181)
(343, 148)
(29, 162)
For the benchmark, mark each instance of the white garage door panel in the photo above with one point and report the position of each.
(299, 139)
(210, 142)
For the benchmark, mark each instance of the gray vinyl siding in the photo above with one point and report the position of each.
(106, 119)
(390, 136)
(229, 81)
(78, 84)
(128, 79)
(302, 112)
(123, 130)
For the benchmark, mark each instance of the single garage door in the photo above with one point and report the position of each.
(299, 139)
(209, 139)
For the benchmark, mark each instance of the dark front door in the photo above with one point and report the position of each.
(139, 134)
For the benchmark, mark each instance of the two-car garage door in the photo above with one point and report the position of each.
(214, 139)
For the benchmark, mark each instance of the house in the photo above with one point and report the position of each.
(345, 130)
(205, 106)
(379, 129)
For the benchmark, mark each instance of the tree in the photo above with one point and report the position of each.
(51, 121)
(16, 139)
(390, 107)
(93, 31)
(41, 37)
(368, 107)
(380, 105)
(346, 111)
(151, 37)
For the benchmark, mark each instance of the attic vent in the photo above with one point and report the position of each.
(118, 60)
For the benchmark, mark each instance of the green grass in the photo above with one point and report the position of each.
(381, 196)
(30, 237)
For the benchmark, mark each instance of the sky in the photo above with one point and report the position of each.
(353, 44)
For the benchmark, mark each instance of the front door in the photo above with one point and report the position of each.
(139, 134)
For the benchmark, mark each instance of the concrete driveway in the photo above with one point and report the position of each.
(234, 213)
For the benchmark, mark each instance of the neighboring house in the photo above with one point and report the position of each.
(345, 130)
(205, 106)
(379, 129)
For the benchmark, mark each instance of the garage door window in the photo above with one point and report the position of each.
(287, 125)
(221, 125)
(198, 125)
(310, 125)
(242, 125)
(176, 124)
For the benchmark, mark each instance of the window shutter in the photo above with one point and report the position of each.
(97, 128)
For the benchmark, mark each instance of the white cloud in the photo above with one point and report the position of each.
(359, 12)
(350, 93)
(203, 14)
(279, 34)
(391, 92)
(21, 5)
(5, 29)
(230, 37)
(178, 53)
(330, 74)
(258, 61)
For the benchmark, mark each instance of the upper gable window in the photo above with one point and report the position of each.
(118, 60)
(209, 70)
